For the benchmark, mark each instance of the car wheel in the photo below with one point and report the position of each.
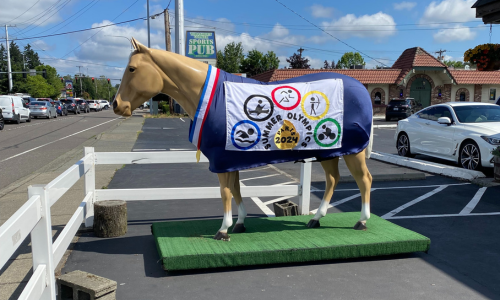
(470, 156)
(18, 121)
(2, 124)
(48, 116)
(403, 146)
(75, 112)
(29, 118)
(387, 119)
(55, 116)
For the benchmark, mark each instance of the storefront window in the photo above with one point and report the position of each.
(493, 94)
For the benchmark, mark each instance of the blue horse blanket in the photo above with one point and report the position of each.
(208, 131)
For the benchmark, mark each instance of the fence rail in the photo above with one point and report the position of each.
(34, 216)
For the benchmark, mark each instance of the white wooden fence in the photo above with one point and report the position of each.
(33, 218)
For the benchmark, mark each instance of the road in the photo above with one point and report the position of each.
(27, 147)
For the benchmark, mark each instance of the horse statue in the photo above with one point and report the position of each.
(202, 90)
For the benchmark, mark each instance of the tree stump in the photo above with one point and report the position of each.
(110, 218)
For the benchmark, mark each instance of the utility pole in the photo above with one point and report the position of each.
(80, 74)
(179, 27)
(168, 48)
(440, 57)
(9, 69)
(167, 30)
(300, 51)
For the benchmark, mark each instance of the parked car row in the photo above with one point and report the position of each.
(17, 109)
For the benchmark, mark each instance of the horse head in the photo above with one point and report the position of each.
(141, 81)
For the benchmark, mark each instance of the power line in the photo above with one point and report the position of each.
(330, 34)
(100, 29)
(85, 62)
(48, 18)
(24, 12)
(81, 30)
(39, 16)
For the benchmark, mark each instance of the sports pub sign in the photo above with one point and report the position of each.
(294, 116)
(200, 45)
(69, 88)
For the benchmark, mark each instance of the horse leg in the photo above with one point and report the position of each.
(242, 213)
(357, 165)
(332, 175)
(226, 181)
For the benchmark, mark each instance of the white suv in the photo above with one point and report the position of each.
(13, 109)
(94, 105)
(104, 104)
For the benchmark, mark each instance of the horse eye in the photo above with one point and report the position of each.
(131, 70)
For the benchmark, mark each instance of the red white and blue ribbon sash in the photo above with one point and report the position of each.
(206, 98)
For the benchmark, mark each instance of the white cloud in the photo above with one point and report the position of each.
(404, 5)
(315, 62)
(319, 11)
(459, 33)
(362, 26)
(13, 8)
(279, 31)
(449, 11)
(110, 45)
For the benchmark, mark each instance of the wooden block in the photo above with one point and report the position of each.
(110, 218)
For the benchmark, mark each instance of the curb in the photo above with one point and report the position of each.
(388, 177)
(385, 126)
(429, 167)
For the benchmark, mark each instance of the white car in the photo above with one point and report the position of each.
(104, 104)
(463, 132)
(13, 109)
(94, 105)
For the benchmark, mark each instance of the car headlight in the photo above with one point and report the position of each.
(491, 140)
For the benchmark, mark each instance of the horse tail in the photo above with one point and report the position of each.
(368, 150)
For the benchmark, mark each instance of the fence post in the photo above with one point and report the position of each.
(41, 241)
(90, 188)
(305, 184)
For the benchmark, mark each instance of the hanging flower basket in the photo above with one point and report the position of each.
(486, 57)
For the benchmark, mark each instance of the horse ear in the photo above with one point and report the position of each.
(138, 46)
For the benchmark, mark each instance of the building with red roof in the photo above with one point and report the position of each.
(415, 74)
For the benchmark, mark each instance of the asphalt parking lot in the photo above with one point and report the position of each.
(459, 218)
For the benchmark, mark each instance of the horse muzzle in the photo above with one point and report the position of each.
(122, 108)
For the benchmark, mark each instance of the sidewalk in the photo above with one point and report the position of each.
(119, 138)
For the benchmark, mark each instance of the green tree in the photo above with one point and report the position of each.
(326, 65)
(350, 59)
(230, 60)
(31, 57)
(38, 87)
(52, 78)
(16, 62)
(256, 62)
(454, 63)
(296, 61)
(4, 84)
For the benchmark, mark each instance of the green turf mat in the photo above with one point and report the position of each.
(186, 245)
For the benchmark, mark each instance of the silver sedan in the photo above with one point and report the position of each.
(43, 109)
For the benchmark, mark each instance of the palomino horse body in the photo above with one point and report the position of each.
(151, 72)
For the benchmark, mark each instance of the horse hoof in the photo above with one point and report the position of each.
(360, 226)
(222, 236)
(313, 223)
(239, 228)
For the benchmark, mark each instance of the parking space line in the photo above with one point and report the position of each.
(472, 204)
(415, 201)
(341, 201)
(398, 187)
(285, 183)
(265, 176)
(149, 150)
(276, 200)
(445, 215)
(261, 205)
(254, 169)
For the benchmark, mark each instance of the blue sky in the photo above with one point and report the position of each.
(379, 29)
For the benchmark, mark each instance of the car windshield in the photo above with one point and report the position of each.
(38, 103)
(477, 113)
(397, 102)
(90, 101)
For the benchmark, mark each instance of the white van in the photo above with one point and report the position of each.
(13, 109)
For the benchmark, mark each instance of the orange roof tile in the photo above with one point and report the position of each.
(387, 76)
(476, 77)
(416, 57)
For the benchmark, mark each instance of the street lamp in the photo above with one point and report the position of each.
(131, 48)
